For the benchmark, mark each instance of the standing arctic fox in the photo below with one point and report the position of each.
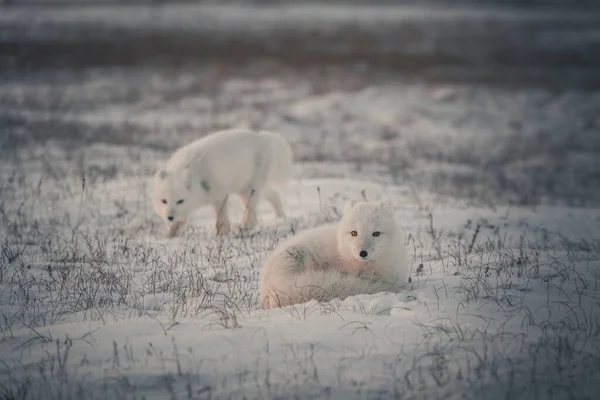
(208, 170)
(364, 253)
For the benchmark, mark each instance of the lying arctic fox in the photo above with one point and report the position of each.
(363, 254)
(208, 170)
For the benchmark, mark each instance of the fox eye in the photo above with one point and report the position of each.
(376, 233)
(164, 201)
(354, 233)
(179, 201)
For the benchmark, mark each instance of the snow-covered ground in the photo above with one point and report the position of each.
(95, 302)
(492, 145)
(497, 188)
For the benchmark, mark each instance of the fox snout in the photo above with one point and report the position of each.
(169, 214)
(363, 254)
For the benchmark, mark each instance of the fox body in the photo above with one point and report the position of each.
(208, 170)
(363, 253)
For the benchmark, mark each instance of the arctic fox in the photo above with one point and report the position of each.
(364, 253)
(208, 170)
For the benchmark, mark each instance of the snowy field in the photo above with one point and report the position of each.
(97, 302)
(497, 189)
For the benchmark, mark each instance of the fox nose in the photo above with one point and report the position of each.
(363, 254)
(170, 218)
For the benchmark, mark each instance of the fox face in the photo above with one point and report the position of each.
(366, 230)
(172, 199)
(174, 195)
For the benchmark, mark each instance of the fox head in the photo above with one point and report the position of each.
(173, 198)
(366, 230)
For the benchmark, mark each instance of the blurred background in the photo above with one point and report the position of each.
(488, 100)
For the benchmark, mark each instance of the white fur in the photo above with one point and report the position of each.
(208, 170)
(324, 263)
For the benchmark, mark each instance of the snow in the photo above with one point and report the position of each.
(496, 188)
(186, 318)
(529, 146)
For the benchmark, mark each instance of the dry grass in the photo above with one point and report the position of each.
(91, 275)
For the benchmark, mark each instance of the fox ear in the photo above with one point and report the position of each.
(387, 203)
(349, 205)
(387, 206)
(205, 185)
(186, 176)
(162, 174)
